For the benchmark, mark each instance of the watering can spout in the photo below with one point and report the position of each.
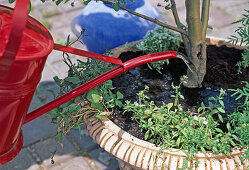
(99, 80)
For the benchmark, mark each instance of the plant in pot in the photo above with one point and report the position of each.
(205, 137)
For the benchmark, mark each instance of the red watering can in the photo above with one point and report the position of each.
(25, 45)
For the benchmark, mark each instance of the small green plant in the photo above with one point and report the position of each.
(240, 118)
(99, 99)
(244, 63)
(170, 126)
(242, 37)
(158, 40)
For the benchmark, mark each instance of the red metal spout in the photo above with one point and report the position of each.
(99, 80)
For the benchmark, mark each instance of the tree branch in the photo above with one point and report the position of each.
(182, 31)
(175, 13)
(205, 17)
(180, 25)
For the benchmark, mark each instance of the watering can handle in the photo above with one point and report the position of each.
(15, 36)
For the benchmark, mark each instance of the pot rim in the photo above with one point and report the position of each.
(210, 40)
(106, 123)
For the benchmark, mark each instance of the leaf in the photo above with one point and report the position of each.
(59, 137)
(98, 106)
(74, 80)
(200, 109)
(169, 105)
(221, 103)
(233, 144)
(120, 95)
(54, 112)
(221, 118)
(203, 150)
(235, 137)
(30, 7)
(146, 135)
(87, 2)
(118, 103)
(219, 130)
(93, 96)
(11, 1)
(57, 80)
(68, 40)
(58, 119)
(221, 109)
(228, 127)
(58, 2)
(210, 27)
(116, 6)
(168, 7)
(178, 142)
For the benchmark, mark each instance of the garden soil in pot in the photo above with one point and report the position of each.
(221, 73)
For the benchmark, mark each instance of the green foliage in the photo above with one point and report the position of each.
(171, 127)
(240, 118)
(244, 63)
(242, 94)
(215, 106)
(116, 6)
(99, 99)
(242, 37)
(158, 40)
(11, 1)
(242, 31)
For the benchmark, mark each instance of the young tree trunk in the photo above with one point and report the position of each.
(194, 38)
(197, 47)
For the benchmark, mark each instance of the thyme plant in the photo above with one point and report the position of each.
(99, 99)
(158, 40)
(170, 126)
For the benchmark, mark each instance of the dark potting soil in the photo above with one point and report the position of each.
(221, 73)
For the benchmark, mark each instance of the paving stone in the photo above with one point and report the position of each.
(6, 3)
(83, 140)
(38, 129)
(63, 20)
(48, 73)
(63, 33)
(55, 56)
(41, 127)
(223, 32)
(68, 8)
(21, 162)
(45, 10)
(238, 10)
(226, 4)
(103, 160)
(66, 162)
(217, 19)
(62, 69)
(46, 149)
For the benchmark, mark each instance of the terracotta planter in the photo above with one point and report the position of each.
(135, 154)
